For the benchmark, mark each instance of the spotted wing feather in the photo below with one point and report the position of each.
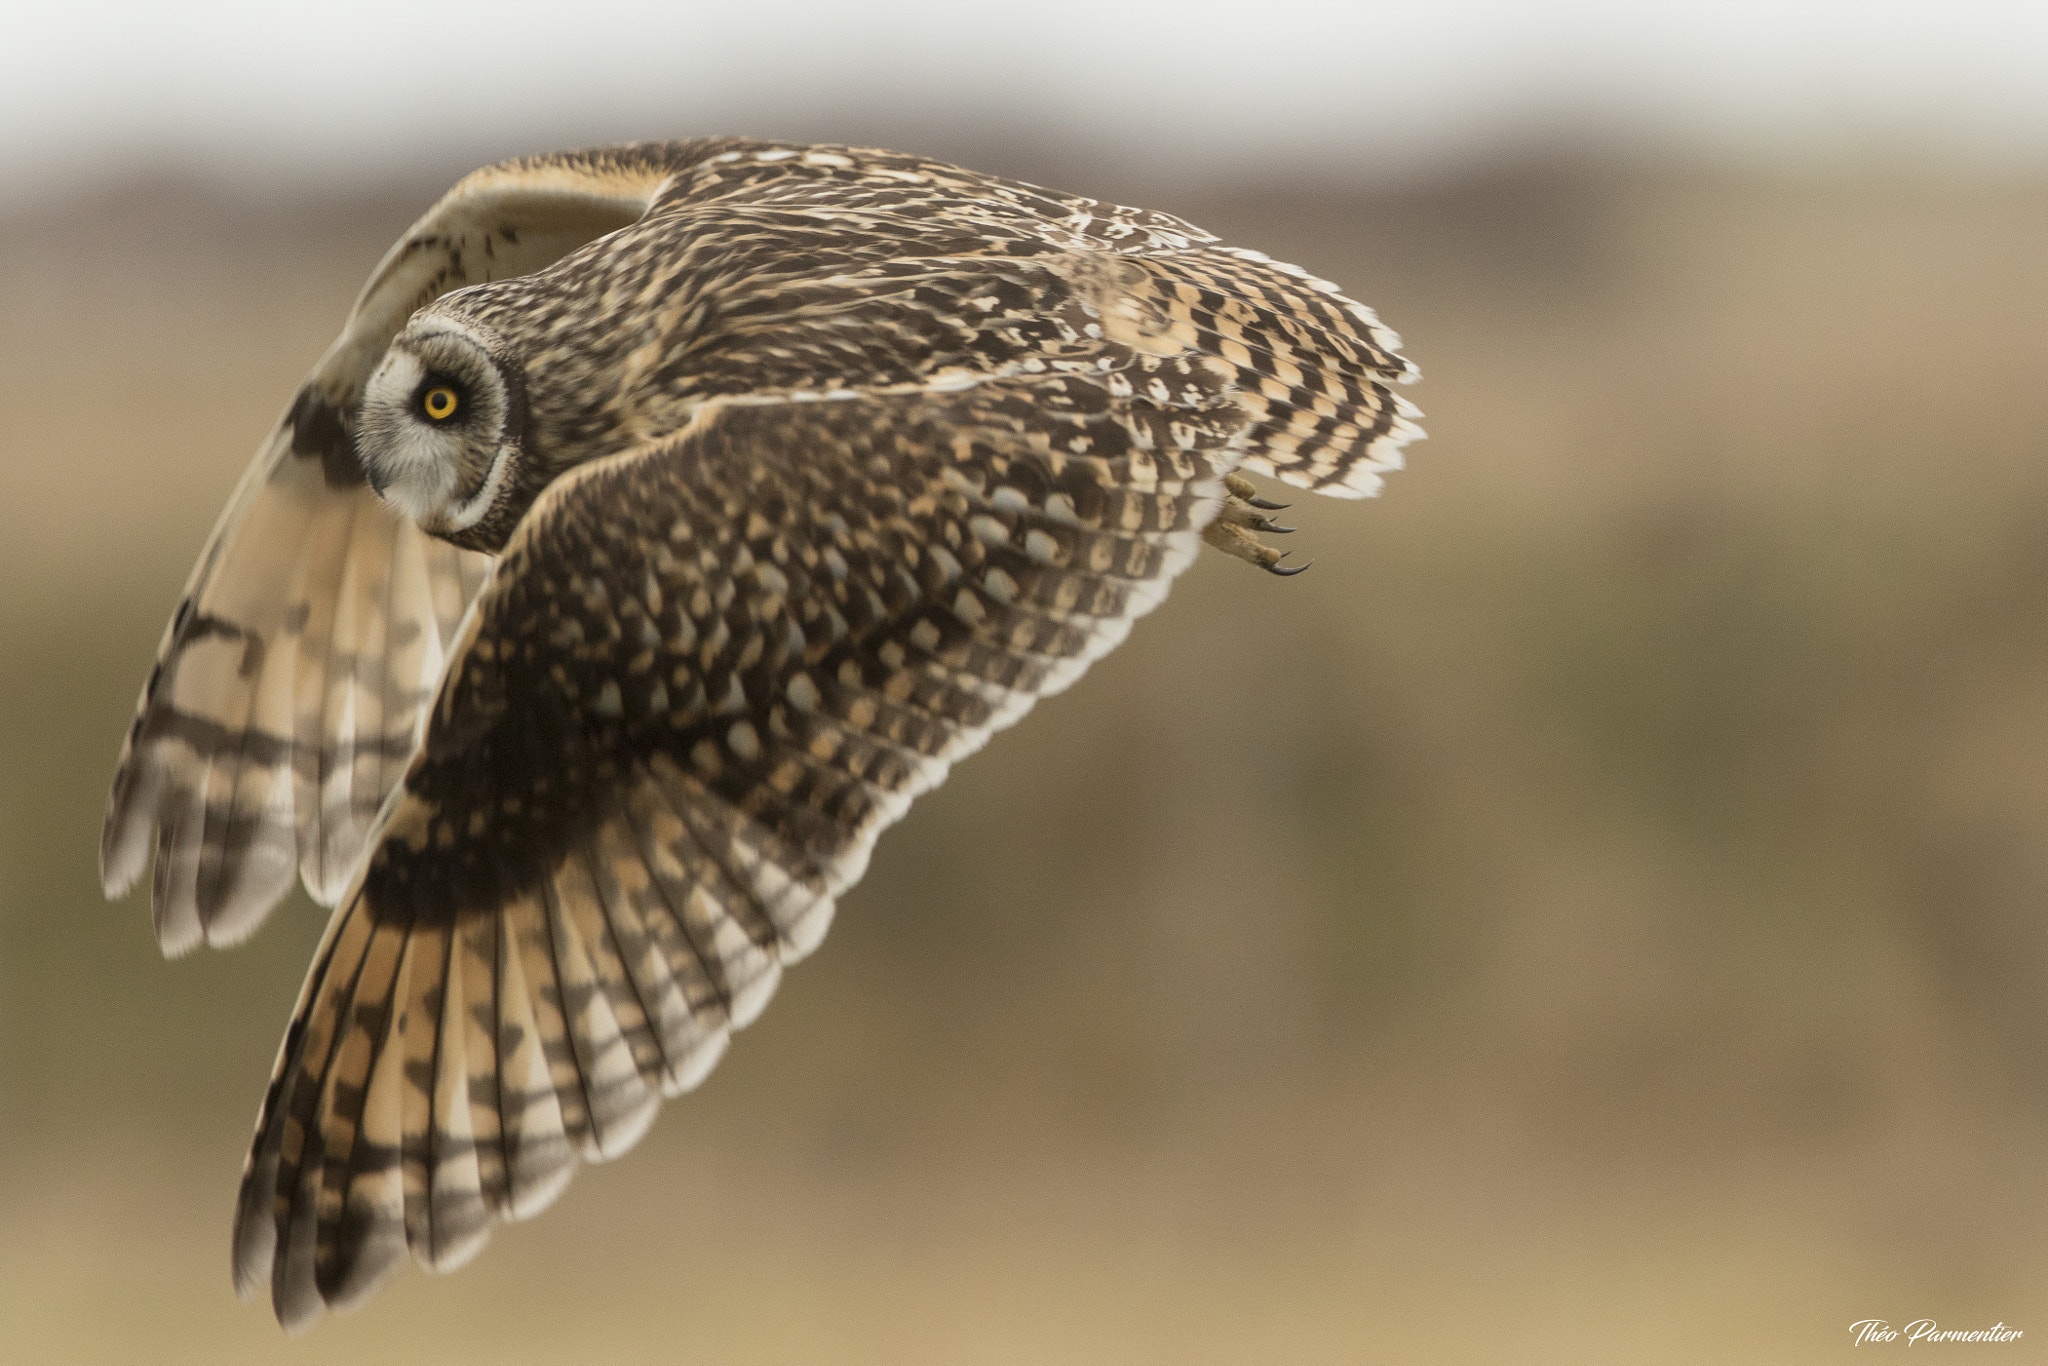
(705, 677)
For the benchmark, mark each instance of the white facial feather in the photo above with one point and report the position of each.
(444, 476)
(412, 464)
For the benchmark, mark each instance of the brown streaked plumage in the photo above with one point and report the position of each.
(782, 478)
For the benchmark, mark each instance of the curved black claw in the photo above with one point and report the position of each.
(1287, 572)
(1265, 505)
(1279, 530)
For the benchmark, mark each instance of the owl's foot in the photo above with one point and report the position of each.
(1236, 528)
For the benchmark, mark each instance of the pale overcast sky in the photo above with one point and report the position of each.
(93, 89)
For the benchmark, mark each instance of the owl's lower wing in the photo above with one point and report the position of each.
(706, 675)
(288, 688)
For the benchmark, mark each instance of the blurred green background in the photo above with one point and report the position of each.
(1594, 916)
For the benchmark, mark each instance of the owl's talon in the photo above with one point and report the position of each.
(1288, 571)
(1245, 491)
(1238, 524)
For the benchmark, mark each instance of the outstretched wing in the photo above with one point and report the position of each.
(706, 675)
(289, 686)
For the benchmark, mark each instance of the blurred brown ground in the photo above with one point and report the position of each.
(1596, 916)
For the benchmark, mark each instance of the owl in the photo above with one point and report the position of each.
(666, 518)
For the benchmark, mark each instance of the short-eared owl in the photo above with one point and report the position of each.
(665, 519)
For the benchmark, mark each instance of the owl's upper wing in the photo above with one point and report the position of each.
(288, 688)
(1315, 370)
(707, 673)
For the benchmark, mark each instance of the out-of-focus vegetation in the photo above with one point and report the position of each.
(1597, 915)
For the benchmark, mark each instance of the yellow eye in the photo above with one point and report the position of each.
(439, 403)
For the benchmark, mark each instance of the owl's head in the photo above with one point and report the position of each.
(441, 431)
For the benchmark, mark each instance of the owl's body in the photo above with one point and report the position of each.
(781, 477)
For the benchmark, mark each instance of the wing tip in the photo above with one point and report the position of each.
(459, 1230)
(538, 1184)
(124, 838)
(626, 1127)
(253, 1245)
(697, 1063)
(118, 874)
(367, 1249)
(803, 935)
